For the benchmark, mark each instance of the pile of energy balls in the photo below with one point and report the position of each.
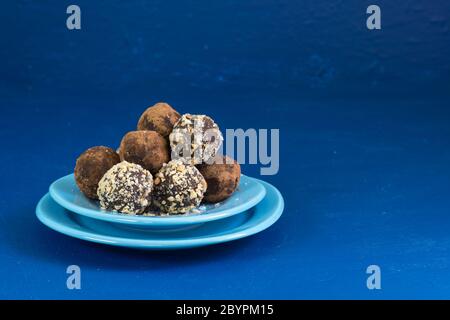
(169, 166)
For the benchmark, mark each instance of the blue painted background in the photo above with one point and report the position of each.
(365, 140)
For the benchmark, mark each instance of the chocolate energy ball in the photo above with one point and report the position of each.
(195, 138)
(125, 188)
(222, 178)
(160, 118)
(178, 188)
(91, 166)
(146, 148)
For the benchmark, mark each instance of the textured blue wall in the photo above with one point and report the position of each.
(364, 140)
(318, 48)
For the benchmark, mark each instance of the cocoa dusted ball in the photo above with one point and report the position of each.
(222, 178)
(146, 148)
(91, 166)
(195, 139)
(178, 188)
(126, 188)
(160, 118)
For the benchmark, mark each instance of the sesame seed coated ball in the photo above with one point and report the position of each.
(178, 188)
(125, 188)
(195, 139)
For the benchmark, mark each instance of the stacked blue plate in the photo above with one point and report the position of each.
(253, 207)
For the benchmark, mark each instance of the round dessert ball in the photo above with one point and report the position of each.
(160, 118)
(222, 178)
(125, 188)
(91, 166)
(146, 148)
(178, 188)
(195, 139)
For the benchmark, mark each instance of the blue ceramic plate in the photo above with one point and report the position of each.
(66, 193)
(255, 220)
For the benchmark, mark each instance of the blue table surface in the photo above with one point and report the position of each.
(364, 128)
(364, 183)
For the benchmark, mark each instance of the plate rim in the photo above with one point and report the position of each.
(276, 212)
(155, 221)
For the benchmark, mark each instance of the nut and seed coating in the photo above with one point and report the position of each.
(125, 188)
(195, 139)
(178, 188)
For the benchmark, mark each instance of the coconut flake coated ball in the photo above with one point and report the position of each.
(146, 148)
(126, 188)
(91, 166)
(222, 178)
(195, 139)
(178, 188)
(160, 118)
